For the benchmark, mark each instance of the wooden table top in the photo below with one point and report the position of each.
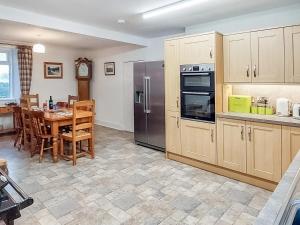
(58, 115)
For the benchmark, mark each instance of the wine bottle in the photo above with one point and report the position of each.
(50, 103)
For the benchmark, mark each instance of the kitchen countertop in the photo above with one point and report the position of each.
(273, 119)
(286, 192)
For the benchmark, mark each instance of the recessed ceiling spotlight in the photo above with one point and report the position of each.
(171, 8)
(121, 21)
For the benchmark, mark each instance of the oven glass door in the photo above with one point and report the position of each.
(196, 81)
(198, 105)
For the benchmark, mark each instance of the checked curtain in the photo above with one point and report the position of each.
(25, 68)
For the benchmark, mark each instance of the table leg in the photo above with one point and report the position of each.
(54, 131)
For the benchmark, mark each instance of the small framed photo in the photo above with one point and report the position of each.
(109, 68)
(53, 70)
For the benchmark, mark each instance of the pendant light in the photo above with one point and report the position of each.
(39, 48)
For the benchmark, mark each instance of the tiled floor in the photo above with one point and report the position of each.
(128, 184)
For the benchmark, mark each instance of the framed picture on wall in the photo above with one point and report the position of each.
(109, 68)
(53, 70)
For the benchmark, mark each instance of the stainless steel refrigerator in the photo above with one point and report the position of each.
(149, 104)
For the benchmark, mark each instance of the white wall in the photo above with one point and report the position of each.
(283, 16)
(59, 89)
(108, 91)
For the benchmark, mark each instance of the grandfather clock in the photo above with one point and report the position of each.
(83, 69)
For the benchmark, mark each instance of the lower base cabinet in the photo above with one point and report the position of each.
(232, 149)
(264, 151)
(251, 148)
(198, 140)
(173, 140)
(290, 145)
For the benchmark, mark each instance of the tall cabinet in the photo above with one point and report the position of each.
(172, 99)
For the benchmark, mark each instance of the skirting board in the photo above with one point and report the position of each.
(109, 125)
(268, 185)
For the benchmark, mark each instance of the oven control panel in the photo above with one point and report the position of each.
(205, 67)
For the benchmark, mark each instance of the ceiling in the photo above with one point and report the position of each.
(23, 33)
(105, 13)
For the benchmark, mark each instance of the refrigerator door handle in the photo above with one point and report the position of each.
(147, 94)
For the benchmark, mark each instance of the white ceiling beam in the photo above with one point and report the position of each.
(22, 16)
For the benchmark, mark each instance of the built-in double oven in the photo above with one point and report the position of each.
(198, 92)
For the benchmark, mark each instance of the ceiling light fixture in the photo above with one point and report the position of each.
(121, 21)
(171, 8)
(39, 48)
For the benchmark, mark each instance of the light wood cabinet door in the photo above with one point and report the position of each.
(172, 75)
(231, 142)
(197, 49)
(198, 140)
(173, 143)
(267, 49)
(290, 145)
(292, 54)
(264, 150)
(237, 58)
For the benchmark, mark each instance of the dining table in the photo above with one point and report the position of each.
(56, 119)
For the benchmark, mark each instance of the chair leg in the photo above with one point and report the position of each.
(61, 146)
(42, 150)
(91, 148)
(74, 152)
(21, 140)
(17, 138)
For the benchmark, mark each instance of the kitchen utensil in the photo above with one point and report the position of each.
(296, 111)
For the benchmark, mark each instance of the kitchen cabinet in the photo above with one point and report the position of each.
(267, 49)
(237, 58)
(256, 57)
(173, 140)
(172, 75)
(292, 54)
(231, 141)
(264, 150)
(290, 145)
(198, 140)
(197, 49)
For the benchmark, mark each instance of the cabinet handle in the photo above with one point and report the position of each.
(254, 71)
(242, 132)
(210, 53)
(248, 71)
(212, 135)
(177, 122)
(177, 103)
(249, 133)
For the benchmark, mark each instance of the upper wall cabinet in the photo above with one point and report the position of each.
(172, 72)
(197, 49)
(292, 54)
(267, 48)
(237, 58)
(256, 57)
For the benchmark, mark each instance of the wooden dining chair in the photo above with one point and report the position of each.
(17, 110)
(72, 99)
(27, 130)
(24, 102)
(33, 100)
(82, 130)
(40, 132)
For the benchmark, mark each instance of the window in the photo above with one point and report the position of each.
(5, 73)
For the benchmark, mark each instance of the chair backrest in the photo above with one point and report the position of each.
(72, 99)
(38, 123)
(83, 116)
(33, 100)
(26, 118)
(24, 102)
(18, 117)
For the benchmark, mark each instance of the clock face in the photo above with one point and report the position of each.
(83, 70)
